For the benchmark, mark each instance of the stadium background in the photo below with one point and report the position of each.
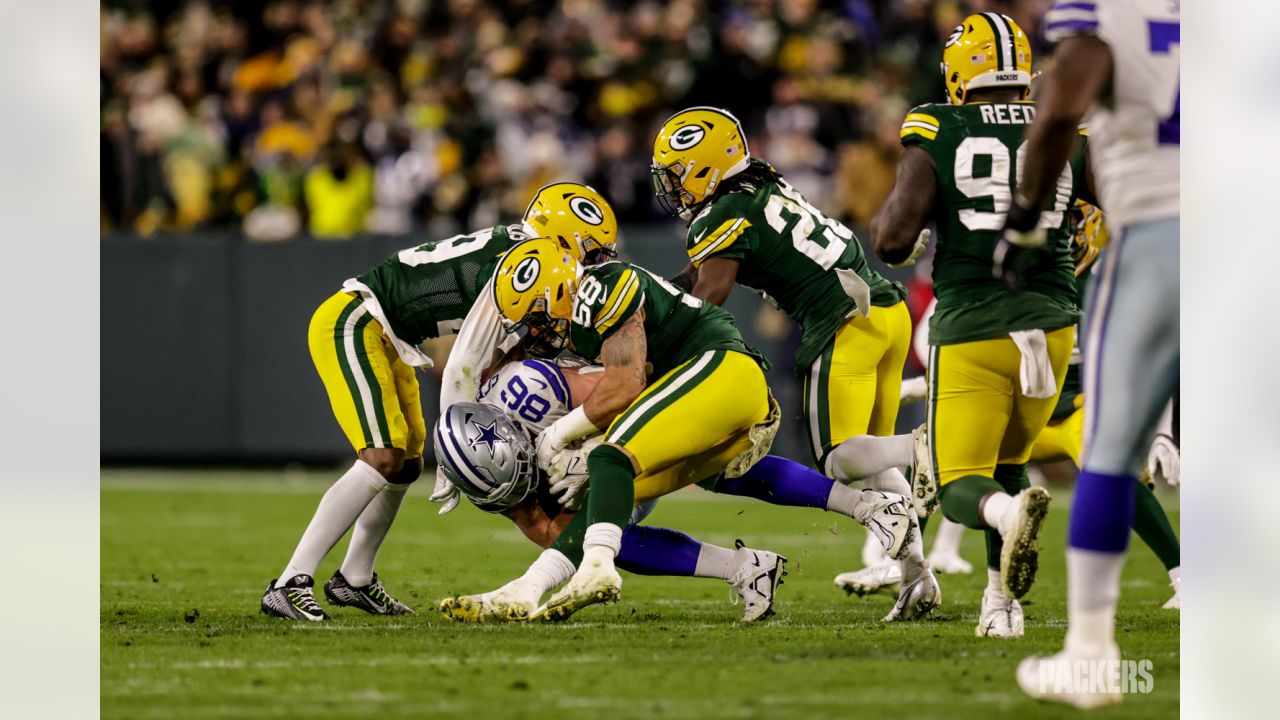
(253, 156)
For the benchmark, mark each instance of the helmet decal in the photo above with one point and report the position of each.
(587, 210)
(487, 435)
(687, 136)
(526, 272)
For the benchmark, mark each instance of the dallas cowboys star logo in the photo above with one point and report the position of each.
(488, 436)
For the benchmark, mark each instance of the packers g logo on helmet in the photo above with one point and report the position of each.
(577, 217)
(696, 150)
(987, 50)
(533, 289)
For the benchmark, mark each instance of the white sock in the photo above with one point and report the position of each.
(947, 541)
(601, 543)
(993, 581)
(865, 455)
(549, 570)
(338, 509)
(370, 530)
(716, 562)
(999, 511)
(1093, 589)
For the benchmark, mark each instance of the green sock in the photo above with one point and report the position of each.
(960, 499)
(570, 541)
(1013, 478)
(1152, 525)
(613, 490)
(994, 546)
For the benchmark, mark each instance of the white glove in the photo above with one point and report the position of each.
(1165, 460)
(445, 493)
(562, 432)
(568, 476)
(856, 288)
(922, 244)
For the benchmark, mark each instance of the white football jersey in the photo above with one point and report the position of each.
(1134, 134)
(532, 393)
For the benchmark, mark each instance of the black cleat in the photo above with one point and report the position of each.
(371, 598)
(293, 601)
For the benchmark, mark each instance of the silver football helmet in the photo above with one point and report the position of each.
(485, 455)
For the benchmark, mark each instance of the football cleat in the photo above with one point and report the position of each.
(889, 520)
(1020, 556)
(924, 485)
(513, 602)
(1000, 616)
(756, 580)
(595, 582)
(949, 563)
(294, 600)
(1175, 602)
(1037, 676)
(917, 599)
(870, 580)
(371, 598)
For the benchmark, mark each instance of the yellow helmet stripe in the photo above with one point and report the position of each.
(622, 293)
(719, 241)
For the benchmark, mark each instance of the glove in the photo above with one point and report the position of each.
(562, 432)
(1020, 246)
(1165, 460)
(568, 476)
(445, 493)
(922, 244)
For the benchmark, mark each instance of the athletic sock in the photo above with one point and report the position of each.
(338, 509)
(549, 570)
(947, 540)
(865, 455)
(716, 562)
(370, 530)
(1000, 511)
(993, 581)
(961, 499)
(601, 542)
(780, 481)
(612, 495)
(1152, 525)
(658, 551)
(1098, 536)
(569, 543)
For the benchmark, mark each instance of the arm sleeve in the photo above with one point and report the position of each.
(481, 341)
(1068, 18)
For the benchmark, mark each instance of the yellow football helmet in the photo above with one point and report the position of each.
(987, 50)
(534, 288)
(695, 151)
(576, 216)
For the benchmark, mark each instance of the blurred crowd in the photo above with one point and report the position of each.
(340, 117)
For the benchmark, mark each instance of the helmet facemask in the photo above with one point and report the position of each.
(668, 187)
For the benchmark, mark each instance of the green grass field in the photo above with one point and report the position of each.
(187, 554)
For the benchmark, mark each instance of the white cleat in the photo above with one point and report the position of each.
(1058, 677)
(595, 582)
(917, 599)
(513, 602)
(887, 517)
(1000, 617)
(756, 580)
(872, 551)
(1175, 602)
(949, 563)
(870, 580)
(1020, 556)
(924, 485)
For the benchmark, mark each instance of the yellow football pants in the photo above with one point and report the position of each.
(691, 422)
(978, 416)
(853, 387)
(1061, 440)
(374, 394)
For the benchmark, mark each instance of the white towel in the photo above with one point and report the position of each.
(856, 288)
(1036, 370)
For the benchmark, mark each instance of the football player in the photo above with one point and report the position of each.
(748, 225)
(681, 398)
(1120, 61)
(998, 356)
(364, 343)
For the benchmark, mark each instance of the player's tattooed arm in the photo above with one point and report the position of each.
(715, 279)
(624, 377)
(1080, 74)
(686, 278)
(898, 222)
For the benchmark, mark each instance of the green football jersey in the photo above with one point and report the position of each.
(426, 291)
(677, 326)
(977, 151)
(788, 250)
